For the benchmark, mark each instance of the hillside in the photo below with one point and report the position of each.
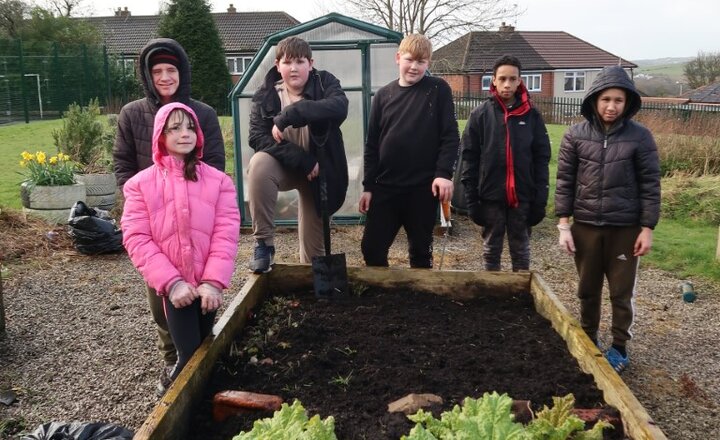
(671, 68)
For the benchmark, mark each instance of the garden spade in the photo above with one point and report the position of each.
(329, 271)
(445, 223)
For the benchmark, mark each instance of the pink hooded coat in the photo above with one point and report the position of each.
(175, 228)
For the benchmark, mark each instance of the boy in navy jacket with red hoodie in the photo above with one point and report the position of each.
(505, 156)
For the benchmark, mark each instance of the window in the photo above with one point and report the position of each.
(127, 64)
(238, 65)
(532, 82)
(486, 82)
(574, 81)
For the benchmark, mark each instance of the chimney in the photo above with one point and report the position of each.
(121, 13)
(231, 9)
(506, 27)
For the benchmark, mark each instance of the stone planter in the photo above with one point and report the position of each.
(99, 189)
(52, 203)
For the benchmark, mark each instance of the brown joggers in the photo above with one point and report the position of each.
(606, 252)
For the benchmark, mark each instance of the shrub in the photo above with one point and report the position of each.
(688, 142)
(81, 137)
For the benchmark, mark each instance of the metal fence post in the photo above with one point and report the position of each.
(23, 91)
(106, 67)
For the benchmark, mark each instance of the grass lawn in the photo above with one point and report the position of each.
(14, 139)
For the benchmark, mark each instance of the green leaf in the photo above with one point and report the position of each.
(291, 423)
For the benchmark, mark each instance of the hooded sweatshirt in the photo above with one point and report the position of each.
(609, 177)
(133, 144)
(175, 228)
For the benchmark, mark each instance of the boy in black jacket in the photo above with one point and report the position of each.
(410, 155)
(505, 155)
(295, 112)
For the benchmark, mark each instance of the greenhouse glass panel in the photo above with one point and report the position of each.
(353, 132)
(257, 77)
(382, 64)
(345, 64)
(336, 32)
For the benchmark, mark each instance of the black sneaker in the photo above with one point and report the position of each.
(165, 380)
(263, 258)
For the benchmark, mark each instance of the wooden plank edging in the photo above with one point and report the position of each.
(637, 422)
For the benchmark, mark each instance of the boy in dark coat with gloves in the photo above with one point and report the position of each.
(505, 157)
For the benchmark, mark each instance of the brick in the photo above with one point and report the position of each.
(232, 402)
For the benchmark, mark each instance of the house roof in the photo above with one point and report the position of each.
(708, 94)
(239, 31)
(537, 50)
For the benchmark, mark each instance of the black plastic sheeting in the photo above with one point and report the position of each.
(79, 431)
(93, 230)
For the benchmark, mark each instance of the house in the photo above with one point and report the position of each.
(707, 94)
(242, 34)
(554, 64)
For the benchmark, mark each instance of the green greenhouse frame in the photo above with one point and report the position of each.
(362, 56)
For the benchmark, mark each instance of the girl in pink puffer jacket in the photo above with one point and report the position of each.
(180, 227)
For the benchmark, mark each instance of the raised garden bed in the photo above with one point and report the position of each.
(351, 358)
(490, 338)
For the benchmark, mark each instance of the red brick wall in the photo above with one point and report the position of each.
(546, 84)
(475, 83)
(456, 82)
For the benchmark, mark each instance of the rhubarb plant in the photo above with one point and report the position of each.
(491, 418)
(291, 422)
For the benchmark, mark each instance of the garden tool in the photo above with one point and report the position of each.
(445, 223)
(329, 271)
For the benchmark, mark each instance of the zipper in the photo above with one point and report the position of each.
(602, 179)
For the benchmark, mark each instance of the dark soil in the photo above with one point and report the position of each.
(350, 358)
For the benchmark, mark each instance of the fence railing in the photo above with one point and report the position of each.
(38, 80)
(566, 111)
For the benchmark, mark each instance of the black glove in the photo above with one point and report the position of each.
(536, 214)
(475, 213)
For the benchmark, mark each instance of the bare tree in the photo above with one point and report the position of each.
(67, 8)
(703, 70)
(439, 20)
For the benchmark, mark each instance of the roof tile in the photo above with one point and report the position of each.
(239, 31)
(537, 50)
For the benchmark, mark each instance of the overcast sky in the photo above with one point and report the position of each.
(632, 29)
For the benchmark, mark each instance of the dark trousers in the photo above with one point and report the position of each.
(415, 210)
(188, 328)
(600, 252)
(501, 219)
(164, 341)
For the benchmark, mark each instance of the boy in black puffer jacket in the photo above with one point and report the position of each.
(608, 180)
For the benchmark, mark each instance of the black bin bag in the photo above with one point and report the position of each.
(79, 431)
(93, 230)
